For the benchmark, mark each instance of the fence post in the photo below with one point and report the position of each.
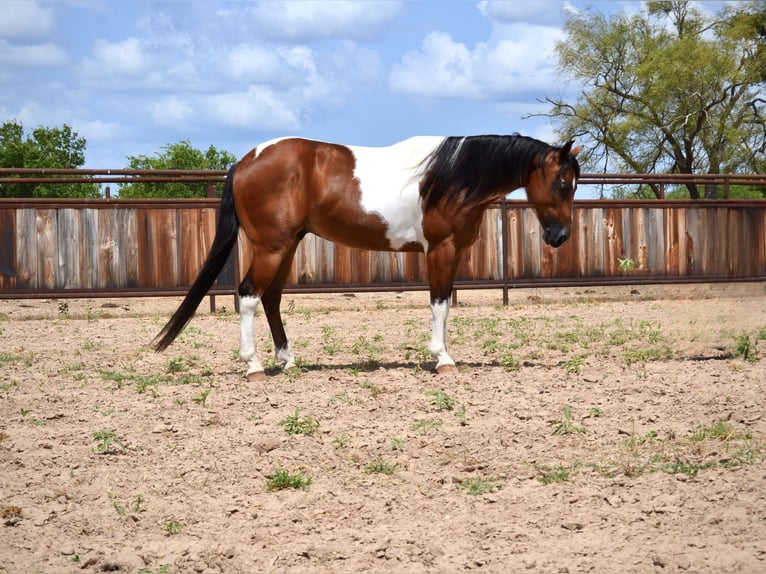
(504, 232)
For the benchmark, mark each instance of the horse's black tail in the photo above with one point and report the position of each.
(225, 239)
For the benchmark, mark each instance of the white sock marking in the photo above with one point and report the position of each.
(438, 348)
(247, 306)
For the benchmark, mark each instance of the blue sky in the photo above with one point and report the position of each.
(131, 76)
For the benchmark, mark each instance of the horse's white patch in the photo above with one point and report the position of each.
(438, 347)
(247, 306)
(389, 183)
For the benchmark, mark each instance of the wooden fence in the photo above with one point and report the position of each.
(91, 248)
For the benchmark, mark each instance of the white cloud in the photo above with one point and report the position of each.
(258, 108)
(36, 55)
(441, 68)
(254, 63)
(171, 110)
(23, 19)
(311, 20)
(128, 56)
(517, 59)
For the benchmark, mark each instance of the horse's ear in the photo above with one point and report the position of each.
(566, 149)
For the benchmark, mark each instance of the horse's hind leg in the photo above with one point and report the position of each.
(266, 266)
(272, 297)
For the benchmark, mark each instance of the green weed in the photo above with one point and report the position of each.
(172, 526)
(567, 425)
(397, 443)
(201, 398)
(105, 439)
(440, 400)
(283, 479)
(424, 426)
(294, 424)
(341, 441)
(380, 466)
(479, 486)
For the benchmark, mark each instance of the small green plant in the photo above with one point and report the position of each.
(375, 390)
(425, 425)
(567, 425)
(746, 348)
(626, 264)
(88, 344)
(460, 414)
(554, 474)
(283, 479)
(201, 398)
(176, 365)
(330, 344)
(172, 526)
(368, 352)
(341, 441)
(380, 466)
(719, 430)
(573, 365)
(24, 412)
(508, 361)
(397, 443)
(294, 424)
(105, 439)
(119, 508)
(479, 486)
(148, 383)
(440, 400)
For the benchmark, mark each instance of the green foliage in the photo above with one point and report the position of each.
(294, 424)
(380, 466)
(283, 479)
(105, 439)
(479, 486)
(180, 155)
(59, 147)
(668, 90)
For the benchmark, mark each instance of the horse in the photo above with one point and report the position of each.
(425, 194)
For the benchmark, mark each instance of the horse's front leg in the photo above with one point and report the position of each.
(442, 265)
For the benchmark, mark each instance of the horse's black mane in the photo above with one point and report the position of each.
(480, 165)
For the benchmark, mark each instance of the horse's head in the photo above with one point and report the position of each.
(551, 189)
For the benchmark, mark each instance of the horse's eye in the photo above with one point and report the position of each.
(564, 186)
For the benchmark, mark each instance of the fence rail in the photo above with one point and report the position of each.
(147, 247)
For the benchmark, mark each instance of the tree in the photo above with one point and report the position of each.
(179, 155)
(44, 148)
(669, 90)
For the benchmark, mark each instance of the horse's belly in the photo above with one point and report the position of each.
(391, 229)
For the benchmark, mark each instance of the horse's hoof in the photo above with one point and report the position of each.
(444, 369)
(256, 377)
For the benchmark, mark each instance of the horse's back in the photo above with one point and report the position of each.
(366, 197)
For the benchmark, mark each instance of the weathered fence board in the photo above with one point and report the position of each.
(91, 248)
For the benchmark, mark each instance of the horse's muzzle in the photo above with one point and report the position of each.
(555, 234)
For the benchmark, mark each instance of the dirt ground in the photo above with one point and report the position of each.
(586, 430)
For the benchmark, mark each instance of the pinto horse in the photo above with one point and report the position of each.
(423, 194)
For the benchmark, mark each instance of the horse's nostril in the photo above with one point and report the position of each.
(555, 236)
